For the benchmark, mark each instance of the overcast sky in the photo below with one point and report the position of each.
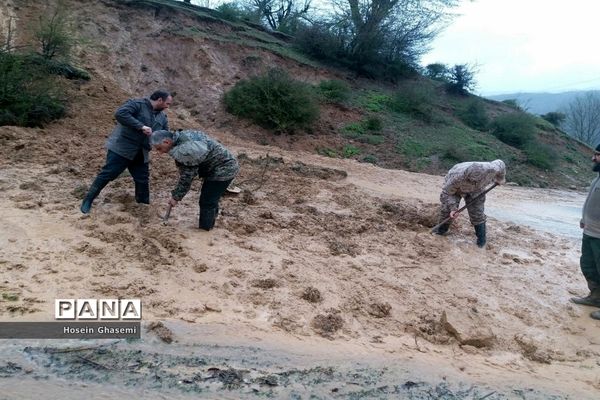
(524, 45)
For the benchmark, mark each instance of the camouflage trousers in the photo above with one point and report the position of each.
(451, 202)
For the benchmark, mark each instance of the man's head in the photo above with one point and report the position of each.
(161, 100)
(162, 141)
(500, 169)
(596, 159)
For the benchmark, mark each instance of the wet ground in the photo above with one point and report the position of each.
(561, 218)
(217, 369)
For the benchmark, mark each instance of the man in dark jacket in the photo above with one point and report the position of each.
(129, 144)
(197, 154)
(590, 243)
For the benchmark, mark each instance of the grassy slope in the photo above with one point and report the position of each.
(429, 140)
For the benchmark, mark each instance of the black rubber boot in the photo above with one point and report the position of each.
(480, 232)
(592, 299)
(442, 229)
(142, 193)
(208, 216)
(94, 191)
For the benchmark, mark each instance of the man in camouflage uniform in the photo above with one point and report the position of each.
(468, 180)
(128, 145)
(196, 154)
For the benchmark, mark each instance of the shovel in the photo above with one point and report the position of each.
(465, 206)
(167, 214)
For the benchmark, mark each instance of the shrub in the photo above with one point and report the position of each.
(373, 124)
(456, 153)
(461, 79)
(317, 41)
(555, 118)
(55, 34)
(512, 103)
(540, 155)
(475, 116)
(514, 129)
(274, 101)
(230, 12)
(334, 91)
(412, 148)
(28, 97)
(349, 151)
(371, 139)
(370, 158)
(437, 71)
(415, 101)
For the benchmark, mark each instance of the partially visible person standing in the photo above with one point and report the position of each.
(129, 144)
(590, 243)
(197, 154)
(468, 180)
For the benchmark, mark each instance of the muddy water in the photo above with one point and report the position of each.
(206, 362)
(556, 212)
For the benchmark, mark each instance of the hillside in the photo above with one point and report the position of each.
(192, 52)
(322, 278)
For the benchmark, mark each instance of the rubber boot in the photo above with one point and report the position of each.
(592, 299)
(480, 233)
(442, 229)
(208, 216)
(94, 191)
(142, 193)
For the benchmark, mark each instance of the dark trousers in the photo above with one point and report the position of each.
(116, 164)
(210, 194)
(590, 261)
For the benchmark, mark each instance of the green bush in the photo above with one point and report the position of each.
(28, 96)
(475, 116)
(455, 153)
(370, 158)
(274, 101)
(415, 101)
(334, 91)
(373, 124)
(540, 155)
(412, 148)
(349, 151)
(375, 102)
(371, 139)
(515, 129)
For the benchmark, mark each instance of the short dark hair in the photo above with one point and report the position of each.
(160, 94)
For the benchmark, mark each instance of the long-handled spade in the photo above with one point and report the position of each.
(463, 207)
(167, 215)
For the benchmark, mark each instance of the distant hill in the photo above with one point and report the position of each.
(541, 103)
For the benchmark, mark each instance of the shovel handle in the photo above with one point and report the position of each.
(168, 213)
(465, 206)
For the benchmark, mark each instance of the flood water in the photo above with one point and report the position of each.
(554, 212)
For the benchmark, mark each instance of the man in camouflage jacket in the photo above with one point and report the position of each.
(128, 145)
(197, 154)
(468, 180)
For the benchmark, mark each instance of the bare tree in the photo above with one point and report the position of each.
(583, 118)
(282, 15)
